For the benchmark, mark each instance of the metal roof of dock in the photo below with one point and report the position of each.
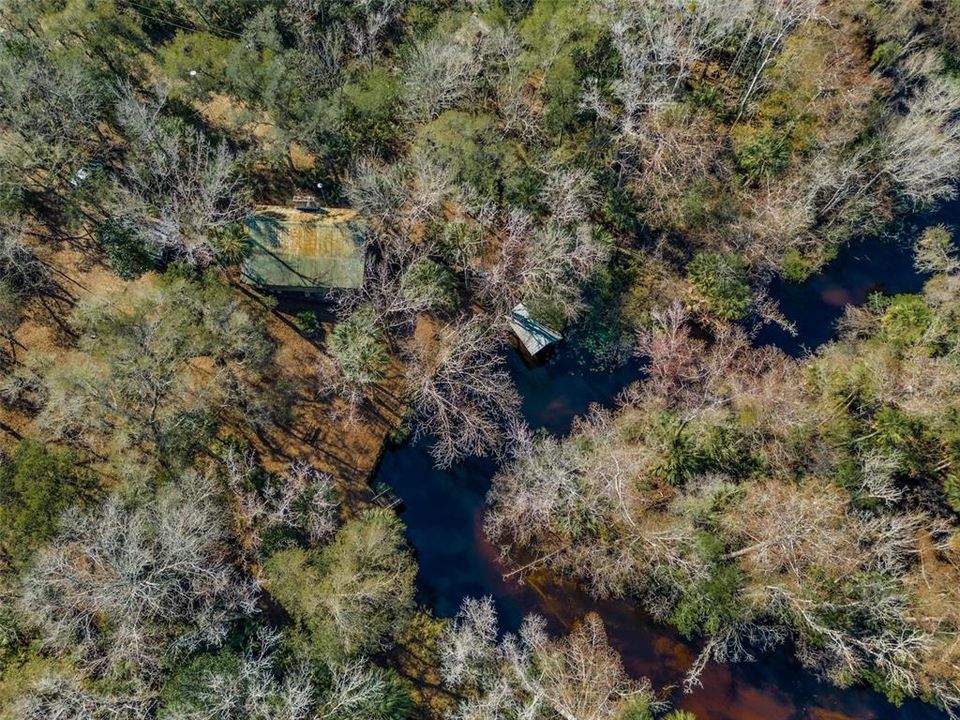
(533, 335)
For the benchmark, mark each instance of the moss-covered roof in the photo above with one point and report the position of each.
(298, 250)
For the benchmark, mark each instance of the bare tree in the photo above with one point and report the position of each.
(19, 264)
(777, 518)
(134, 383)
(580, 676)
(370, 19)
(399, 199)
(673, 354)
(577, 677)
(258, 686)
(51, 112)
(786, 559)
(375, 190)
(65, 697)
(352, 397)
(356, 686)
(179, 185)
(460, 391)
(468, 650)
(775, 20)
(658, 44)
(877, 470)
(540, 492)
(322, 46)
(935, 252)
(571, 195)
(548, 263)
(301, 498)
(519, 107)
(127, 587)
(253, 689)
(923, 146)
(685, 369)
(553, 492)
(499, 285)
(441, 71)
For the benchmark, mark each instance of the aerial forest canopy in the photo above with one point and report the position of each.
(186, 527)
(748, 497)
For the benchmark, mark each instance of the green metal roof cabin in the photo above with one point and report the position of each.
(296, 250)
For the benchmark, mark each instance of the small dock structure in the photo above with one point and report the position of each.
(385, 497)
(533, 337)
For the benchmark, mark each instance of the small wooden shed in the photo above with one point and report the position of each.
(299, 250)
(533, 336)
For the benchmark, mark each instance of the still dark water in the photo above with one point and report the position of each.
(443, 513)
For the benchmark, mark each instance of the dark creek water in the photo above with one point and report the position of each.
(443, 513)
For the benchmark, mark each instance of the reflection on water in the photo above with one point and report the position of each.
(815, 306)
(442, 508)
(443, 514)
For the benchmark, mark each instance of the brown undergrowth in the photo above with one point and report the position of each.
(314, 430)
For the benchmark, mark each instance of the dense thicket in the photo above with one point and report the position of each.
(628, 169)
(749, 497)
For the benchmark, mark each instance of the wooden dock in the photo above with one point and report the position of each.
(387, 498)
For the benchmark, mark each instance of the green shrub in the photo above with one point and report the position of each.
(906, 320)
(679, 457)
(566, 44)
(186, 693)
(428, 284)
(307, 323)
(707, 95)
(605, 333)
(357, 346)
(402, 431)
(636, 709)
(371, 99)
(722, 279)
(201, 53)
(472, 145)
(951, 488)
(886, 54)
(761, 153)
(232, 244)
(694, 209)
(711, 606)
(36, 485)
(126, 253)
(353, 596)
(796, 267)
(908, 436)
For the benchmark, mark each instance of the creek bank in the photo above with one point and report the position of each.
(443, 512)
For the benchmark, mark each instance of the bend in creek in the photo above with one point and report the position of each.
(443, 512)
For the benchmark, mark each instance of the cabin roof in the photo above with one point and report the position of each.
(297, 250)
(533, 335)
